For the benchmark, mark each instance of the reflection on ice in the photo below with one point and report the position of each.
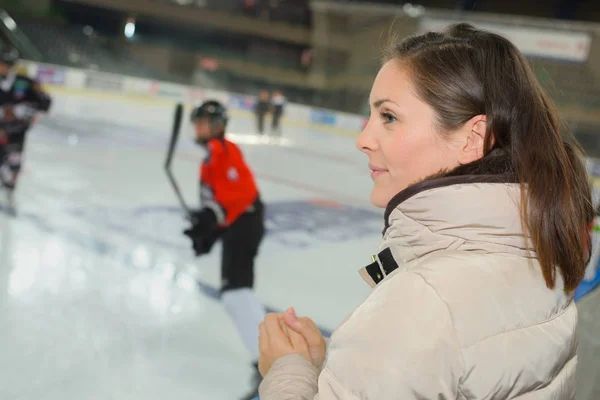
(53, 253)
(141, 257)
(46, 270)
(24, 273)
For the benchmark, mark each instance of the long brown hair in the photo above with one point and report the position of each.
(463, 72)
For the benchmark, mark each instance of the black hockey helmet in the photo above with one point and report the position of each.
(9, 56)
(214, 111)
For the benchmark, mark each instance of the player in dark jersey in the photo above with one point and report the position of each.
(261, 109)
(20, 100)
(233, 212)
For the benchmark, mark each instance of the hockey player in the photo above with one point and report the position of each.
(233, 212)
(20, 99)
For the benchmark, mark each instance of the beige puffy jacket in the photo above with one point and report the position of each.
(459, 309)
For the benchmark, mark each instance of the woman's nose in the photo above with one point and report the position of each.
(366, 142)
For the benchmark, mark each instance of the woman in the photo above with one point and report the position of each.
(486, 208)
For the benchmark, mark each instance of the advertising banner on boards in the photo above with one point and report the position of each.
(50, 75)
(102, 81)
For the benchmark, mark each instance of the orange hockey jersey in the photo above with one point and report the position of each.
(227, 185)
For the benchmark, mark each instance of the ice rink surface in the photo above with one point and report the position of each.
(99, 296)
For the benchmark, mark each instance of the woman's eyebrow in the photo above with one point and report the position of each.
(379, 102)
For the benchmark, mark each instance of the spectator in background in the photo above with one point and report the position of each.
(277, 106)
(261, 109)
(485, 239)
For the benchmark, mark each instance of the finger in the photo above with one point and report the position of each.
(263, 340)
(297, 339)
(290, 317)
(278, 339)
(263, 349)
(311, 326)
(299, 344)
(309, 322)
(272, 324)
(304, 326)
(291, 311)
(284, 328)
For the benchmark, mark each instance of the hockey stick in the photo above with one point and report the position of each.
(170, 152)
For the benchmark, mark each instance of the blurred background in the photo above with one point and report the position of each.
(320, 53)
(116, 67)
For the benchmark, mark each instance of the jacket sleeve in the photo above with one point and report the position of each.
(292, 377)
(208, 176)
(36, 96)
(41, 99)
(400, 343)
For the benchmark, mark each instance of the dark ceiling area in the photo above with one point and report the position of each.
(583, 10)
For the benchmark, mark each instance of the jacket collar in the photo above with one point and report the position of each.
(473, 208)
(493, 168)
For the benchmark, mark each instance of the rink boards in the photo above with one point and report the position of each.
(76, 82)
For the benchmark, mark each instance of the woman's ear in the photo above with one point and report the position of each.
(474, 139)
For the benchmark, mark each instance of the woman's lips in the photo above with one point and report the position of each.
(376, 171)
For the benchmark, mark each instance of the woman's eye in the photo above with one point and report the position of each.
(387, 117)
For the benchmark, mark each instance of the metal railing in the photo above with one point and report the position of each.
(12, 35)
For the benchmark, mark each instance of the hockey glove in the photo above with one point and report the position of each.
(204, 221)
(203, 244)
(204, 231)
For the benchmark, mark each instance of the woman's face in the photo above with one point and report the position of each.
(400, 138)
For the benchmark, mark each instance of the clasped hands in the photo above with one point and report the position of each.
(283, 334)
